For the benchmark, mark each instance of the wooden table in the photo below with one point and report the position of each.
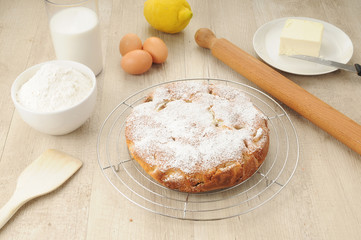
(322, 200)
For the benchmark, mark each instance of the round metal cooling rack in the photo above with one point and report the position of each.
(133, 183)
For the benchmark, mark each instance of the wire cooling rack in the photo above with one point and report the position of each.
(131, 181)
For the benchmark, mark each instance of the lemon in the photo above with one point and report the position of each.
(170, 16)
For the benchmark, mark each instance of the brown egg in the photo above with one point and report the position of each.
(136, 62)
(157, 48)
(129, 43)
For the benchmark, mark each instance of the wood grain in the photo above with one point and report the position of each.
(322, 201)
(323, 115)
(45, 174)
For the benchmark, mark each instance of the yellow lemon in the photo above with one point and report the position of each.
(170, 16)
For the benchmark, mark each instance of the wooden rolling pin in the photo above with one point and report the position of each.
(321, 114)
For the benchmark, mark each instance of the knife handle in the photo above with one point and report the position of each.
(358, 69)
(321, 114)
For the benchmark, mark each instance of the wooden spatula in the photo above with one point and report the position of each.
(42, 176)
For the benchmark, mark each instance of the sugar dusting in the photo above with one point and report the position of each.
(193, 127)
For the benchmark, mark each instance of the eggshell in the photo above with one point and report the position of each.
(136, 62)
(129, 43)
(157, 48)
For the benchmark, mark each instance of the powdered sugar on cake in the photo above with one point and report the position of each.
(193, 126)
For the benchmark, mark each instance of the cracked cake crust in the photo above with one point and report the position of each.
(196, 137)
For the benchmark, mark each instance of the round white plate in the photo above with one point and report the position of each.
(336, 46)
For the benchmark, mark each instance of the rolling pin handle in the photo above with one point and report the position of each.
(205, 38)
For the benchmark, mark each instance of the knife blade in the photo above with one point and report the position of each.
(352, 68)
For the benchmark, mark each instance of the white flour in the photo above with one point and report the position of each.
(54, 88)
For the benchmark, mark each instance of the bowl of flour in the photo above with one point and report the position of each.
(55, 97)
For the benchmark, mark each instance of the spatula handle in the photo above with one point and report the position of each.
(10, 208)
(324, 116)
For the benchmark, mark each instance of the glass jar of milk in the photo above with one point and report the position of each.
(74, 28)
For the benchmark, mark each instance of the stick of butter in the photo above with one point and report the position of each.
(301, 37)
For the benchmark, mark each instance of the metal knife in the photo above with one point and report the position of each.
(352, 68)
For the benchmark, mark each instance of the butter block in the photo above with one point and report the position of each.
(301, 37)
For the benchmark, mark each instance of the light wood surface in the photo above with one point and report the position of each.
(323, 199)
(297, 98)
(43, 175)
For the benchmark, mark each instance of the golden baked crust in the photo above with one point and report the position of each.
(196, 137)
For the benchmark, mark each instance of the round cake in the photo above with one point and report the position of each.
(197, 137)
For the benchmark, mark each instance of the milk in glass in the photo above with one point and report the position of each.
(76, 36)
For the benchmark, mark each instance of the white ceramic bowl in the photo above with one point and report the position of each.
(58, 122)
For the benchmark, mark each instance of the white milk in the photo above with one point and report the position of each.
(76, 37)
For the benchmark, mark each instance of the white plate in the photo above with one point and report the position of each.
(336, 46)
